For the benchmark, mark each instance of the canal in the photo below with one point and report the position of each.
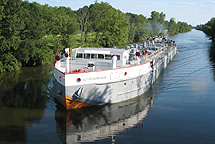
(178, 108)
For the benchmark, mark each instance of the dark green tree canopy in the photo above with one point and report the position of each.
(31, 34)
(208, 28)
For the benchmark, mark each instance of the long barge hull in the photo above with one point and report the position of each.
(109, 86)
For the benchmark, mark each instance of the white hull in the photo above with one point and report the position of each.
(112, 87)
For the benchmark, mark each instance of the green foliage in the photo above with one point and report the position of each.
(1, 67)
(66, 21)
(44, 54)
(131, 33)
(173, 28)
(11, 22)
(183, 27)
(32, 17)
(138, 27)
(179, 27)
(157, 24)
(24, 31)
(35, 52)
(141, 27)
(83, 19)
(110, 25)
(158, 17)
(208, 28)
(31, 34)
(10, 63)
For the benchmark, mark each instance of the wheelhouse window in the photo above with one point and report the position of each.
(96, 56)
(79, 55)
(118, 57)
(107, 57)
(101, 56)
(93, 56)
(87, 56)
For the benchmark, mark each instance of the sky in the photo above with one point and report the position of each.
(193, 12)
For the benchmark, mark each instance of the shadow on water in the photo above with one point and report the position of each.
(22, 101)
(101, 122)
(212, 58)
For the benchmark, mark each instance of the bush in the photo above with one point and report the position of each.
(1, 67)
(10, 63)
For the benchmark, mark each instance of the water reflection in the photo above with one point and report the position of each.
(22, 101)
(95, 123)
(26, 88)
(212, 58)
(14, 122)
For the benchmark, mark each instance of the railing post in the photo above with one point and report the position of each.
(114, 59)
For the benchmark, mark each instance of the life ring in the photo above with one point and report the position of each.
(112, 56)
(137, 54)
(66, 54)
(57, 57)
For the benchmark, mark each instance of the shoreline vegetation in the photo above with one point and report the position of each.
(208, 28)
(31, 34)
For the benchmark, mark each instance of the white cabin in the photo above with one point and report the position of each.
(93, 59)
(101, 55)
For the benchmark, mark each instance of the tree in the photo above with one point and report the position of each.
(138, 27)
(209, 28)
(157, 23)
(155, 16)
(83, 16)
(110, 25)
(10, 26)
(30, 33)
(32, 17)
(10, 63)
(173, 28)
(183, 27)
(66, 24)
(131, 33)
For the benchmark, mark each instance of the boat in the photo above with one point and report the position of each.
(97, 76)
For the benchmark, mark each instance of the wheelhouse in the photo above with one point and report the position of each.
(100, 54)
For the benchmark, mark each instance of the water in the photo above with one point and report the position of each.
(178, 108)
